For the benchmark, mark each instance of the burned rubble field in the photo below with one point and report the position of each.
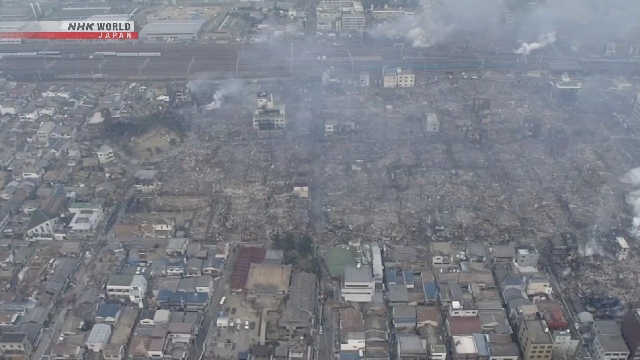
(486, 175)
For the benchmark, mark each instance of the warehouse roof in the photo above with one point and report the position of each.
(169, 27)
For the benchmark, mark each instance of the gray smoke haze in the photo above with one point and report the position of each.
(429, 27)
(421, 31)
(543, 41)
(633, 199)
(232, 86)
(590, 22)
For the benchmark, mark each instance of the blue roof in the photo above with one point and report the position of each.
(392, 278)
(108, 310)
(408, 276)
(400, 277)
(349, 355)
(430, 290)
(164, 295)
(243, 355)
(481, 345)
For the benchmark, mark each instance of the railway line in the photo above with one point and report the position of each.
(79, 61)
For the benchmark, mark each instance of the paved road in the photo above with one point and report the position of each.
(211, 316)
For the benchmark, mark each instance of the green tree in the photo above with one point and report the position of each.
(305, 246)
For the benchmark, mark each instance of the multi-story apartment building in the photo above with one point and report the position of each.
(631, 333)
(397, 77)
(535, 340)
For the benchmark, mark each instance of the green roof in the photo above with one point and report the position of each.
(337, 258)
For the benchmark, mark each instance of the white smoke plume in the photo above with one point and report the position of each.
(633, 199)
(544, 40)
(230, 87)
(421, 31)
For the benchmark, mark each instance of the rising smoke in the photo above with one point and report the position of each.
(633, 199)
(232, 86)
(425, 29)
(543, 41)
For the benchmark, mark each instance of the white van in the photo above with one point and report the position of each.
(223, 300)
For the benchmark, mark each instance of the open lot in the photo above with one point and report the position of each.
(231, 340)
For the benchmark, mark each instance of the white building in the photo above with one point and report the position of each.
(622, 248)
(269, 116)
(433, 124)
(87, 217)
(44, 131)
(396, 77)
(105, 154)
(357, 284)
(389, 77)
(391, 13)
(146, 181)
(32, 172)
(131, 287)
(353, 21)
(352, 341)
(609, 347)
(41, 225)
(99, 337)
(364, 78)
(635, 114)
(564, 343)
(376, 263)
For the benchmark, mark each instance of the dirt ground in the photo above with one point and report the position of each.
(155, 143)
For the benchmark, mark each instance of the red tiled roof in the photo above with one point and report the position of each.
(464, 325)
(246, 257)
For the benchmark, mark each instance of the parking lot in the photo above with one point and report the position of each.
(244, 332)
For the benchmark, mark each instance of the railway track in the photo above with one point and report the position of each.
(184, 61)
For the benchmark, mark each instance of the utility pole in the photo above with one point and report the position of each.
(191, 64)
(291, 69)
(100, 66)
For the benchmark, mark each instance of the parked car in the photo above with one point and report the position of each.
(233, 311)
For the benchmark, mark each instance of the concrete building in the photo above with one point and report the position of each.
(98, 338)
(365, 79)
(389, 77)
(538, 285)
(129, 287)
(358, 284)
(397, 77)
(527, 257)
(411, 347)
(564, 92)
(432, 123)
(353, 21)
(635, 114)
(388, 13)
(105, 154)
(15, 345)
(609, 347)
(268, 115)
(535, 340)
(44, 131)
(564, 343)
(163, 30)
(336, 3)
(631, 333)
(622, 248)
